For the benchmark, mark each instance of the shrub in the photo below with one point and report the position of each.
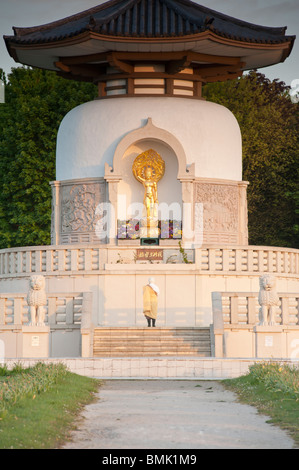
(277, 377)
(28, 382)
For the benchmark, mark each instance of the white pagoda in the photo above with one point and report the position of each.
(149, 60)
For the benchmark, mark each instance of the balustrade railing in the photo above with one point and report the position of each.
(242, 308)
(251, 259)
(48, 259)
(62, 310)
(81, 259)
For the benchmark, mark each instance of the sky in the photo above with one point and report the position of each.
(23, 13)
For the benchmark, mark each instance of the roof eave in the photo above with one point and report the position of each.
(13, 47)
(11, 42)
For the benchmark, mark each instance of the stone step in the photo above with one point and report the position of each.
(134, 341)
(152, 354)
(152, 340)
(159, 346)
(151, 332)
(160, 343)
(124, 330)
(138, 351)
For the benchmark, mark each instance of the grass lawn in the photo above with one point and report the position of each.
(44, 420)
(274, 391)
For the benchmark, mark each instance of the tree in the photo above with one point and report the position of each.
(35, 103)
(269, 125)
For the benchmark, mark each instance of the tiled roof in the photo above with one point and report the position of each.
(149, 19)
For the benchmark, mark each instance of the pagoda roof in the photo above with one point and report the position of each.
(149, 26)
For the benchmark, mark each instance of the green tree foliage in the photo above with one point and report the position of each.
(35, 103)
(269, 125)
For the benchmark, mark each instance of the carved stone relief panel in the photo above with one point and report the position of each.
(79, 204)
(220, 211)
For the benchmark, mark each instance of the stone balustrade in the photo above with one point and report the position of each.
(66, 259)
(23, 261)
(237, 332)
(242, 308)
(62, 310)
(249, 259)
(67, 331)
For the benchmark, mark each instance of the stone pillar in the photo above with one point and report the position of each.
(112, 181)
(188, 225)
(86, 325)
(55, 216)
(218, 325)
(243, 213)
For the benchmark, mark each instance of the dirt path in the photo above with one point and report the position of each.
(173, 414)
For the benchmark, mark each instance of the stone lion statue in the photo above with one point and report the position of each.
(268, 299)
(37, 299)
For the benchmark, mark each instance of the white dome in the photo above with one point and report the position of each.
(89, 134)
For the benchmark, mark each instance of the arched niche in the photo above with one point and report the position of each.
(131, 191)
(124, 189)
(150, 133)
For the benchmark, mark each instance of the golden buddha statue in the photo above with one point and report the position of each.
(150, 193)
(148, 169)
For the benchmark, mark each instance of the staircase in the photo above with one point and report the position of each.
(149, 342)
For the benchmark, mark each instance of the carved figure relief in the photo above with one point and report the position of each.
(220, 210)
(220, 205)
(79, 203)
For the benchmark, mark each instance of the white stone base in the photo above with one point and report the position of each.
(35, 341)
(155, 368)
(117, 281)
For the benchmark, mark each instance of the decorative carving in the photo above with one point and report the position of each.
(36, 300)
(268, 299)
(220, 205)
(220, 211)
(149, 160)
(78, 207)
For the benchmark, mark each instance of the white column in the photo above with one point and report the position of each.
(188, 208)
(55, 221)
(112, 181)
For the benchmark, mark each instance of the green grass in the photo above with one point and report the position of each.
(44, 420)
(273, 389)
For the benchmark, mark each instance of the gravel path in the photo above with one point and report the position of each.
(173, 414)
